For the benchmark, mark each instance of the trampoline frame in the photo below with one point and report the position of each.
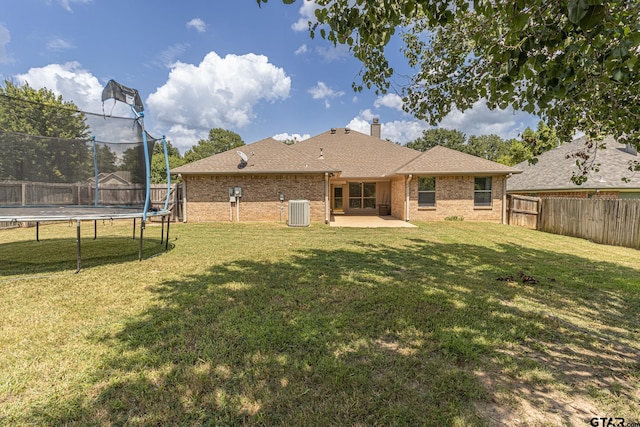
(19, 214)
(96, 212)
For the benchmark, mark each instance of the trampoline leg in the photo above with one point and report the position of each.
(37, 231)
(79, 253)
(140, 245)
(95, 229)
(134, 229)
(162, 232)
(166, 242)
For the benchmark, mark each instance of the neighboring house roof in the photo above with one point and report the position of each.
(265, 156)
(554, 169)
(440, 160)
(111, 178)
(355, 154)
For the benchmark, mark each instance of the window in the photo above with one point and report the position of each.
(427, 192)
(362, 195)
(482, 191)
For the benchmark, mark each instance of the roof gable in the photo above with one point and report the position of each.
(264, 156)
(555, 167)
(355, 154)
(440, 160)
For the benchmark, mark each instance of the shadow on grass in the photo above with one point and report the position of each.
(386, 336)
(60, 254)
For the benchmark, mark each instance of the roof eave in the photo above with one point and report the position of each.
(254, 172)
(441, 173)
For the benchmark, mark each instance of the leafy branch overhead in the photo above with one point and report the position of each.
(573, 63)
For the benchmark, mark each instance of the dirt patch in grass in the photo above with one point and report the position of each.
(569, 382)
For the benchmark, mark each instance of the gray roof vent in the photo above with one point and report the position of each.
(333, 131)
(347, 130)
(321, 156)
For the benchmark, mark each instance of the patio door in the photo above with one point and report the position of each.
(362, 196)
(337, 200)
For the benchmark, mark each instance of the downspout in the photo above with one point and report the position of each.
(504, 199)
(408, 191)
(184, 199)
(326, 198)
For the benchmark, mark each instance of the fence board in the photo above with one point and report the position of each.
(24, 193)
(523, 211)
(611, 222)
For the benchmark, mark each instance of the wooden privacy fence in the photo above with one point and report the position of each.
(23, 193)
(523, 211)
(612, 222)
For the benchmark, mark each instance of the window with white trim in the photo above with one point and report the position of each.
(482, 191)
(427, 192)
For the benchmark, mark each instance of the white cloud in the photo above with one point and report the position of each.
(198, 24)
(333, 53)
(401, 131)
(70, 81)
(302, 50)
(389, 100)
(480, 120)
(170, 55)
(66, 4)
(288, 136)
(58, 44)
(5, 38)
(324, 92)
(182, 137)
(307, 13)
(218, 92)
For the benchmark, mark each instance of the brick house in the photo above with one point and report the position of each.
(551, 175)
(342, 171)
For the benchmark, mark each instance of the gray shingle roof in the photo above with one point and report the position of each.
(553, 170)
(440, 160)
(355, 154)
(264, 156)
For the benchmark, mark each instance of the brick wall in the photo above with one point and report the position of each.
(398, 197)
(208, 197)
(454, 197)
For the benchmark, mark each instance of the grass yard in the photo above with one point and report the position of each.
(262, 324)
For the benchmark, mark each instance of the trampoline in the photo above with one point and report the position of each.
(81, 167)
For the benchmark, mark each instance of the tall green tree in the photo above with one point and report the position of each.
(575, 63)
(158, 164)
(532, 144)
(449, 138)
(490, 147)
(219, 140)
(44, 137)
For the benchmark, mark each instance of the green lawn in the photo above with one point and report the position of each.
(262, 324)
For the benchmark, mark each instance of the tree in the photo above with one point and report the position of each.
(219, 140)
(44, 137)
(574, 63)
(158, 164)
(449, 138)
(490, 147)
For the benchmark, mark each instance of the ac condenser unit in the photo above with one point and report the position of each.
(299, 213)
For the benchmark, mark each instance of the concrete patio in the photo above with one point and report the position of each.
(368, 221)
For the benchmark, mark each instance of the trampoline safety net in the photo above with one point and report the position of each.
(52, 156)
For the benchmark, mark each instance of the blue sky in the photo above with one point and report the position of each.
(202, 64)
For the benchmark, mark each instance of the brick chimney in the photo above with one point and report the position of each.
(375, 128)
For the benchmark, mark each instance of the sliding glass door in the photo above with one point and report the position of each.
(362, 195)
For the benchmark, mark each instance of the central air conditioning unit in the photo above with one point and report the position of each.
(299, 213)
